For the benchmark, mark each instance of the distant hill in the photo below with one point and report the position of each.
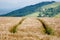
(43, 9)
(50, 10)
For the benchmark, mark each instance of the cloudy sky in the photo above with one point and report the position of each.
(9, 5)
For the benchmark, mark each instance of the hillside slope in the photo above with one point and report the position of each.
(50, 10)
(29, 10)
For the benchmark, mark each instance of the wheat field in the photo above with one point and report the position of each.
(32, 28)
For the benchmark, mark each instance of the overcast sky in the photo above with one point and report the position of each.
(9, 5)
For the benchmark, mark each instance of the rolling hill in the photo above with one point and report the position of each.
(43, 9)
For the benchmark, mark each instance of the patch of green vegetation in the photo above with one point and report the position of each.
(49, 31)
(50, 10)
(53, 5)
(58, 15)
(35, 14)
(13, 30)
